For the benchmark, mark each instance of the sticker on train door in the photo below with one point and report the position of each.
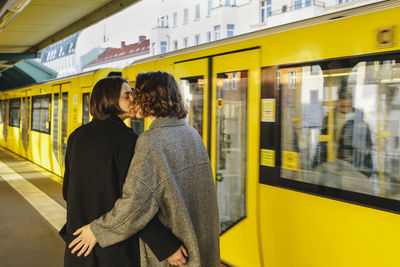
(267, 157)
(290, 160)
(268, 110)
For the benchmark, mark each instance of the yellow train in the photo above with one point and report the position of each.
(302, 124)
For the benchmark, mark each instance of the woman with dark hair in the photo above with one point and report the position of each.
(170, 178)
(96, 163)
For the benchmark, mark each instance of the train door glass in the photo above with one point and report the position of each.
(137, 125)
(341, 126)
(55, 125)
(15, 112)
(85, 108)
(5, 128)
(231, 146)
(64, 126)
(25, 121)
(193, 94)
(1, 111)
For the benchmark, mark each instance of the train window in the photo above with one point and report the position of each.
(85, 108)
(193, 93)
(15, 112)
(231, 147)
(55, 124)
(137, 125)
(64, 125)
(340, 129)
(1, 111)
(5, 113)
(40, 113)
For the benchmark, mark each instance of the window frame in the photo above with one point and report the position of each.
(49, 96)
(272, 175)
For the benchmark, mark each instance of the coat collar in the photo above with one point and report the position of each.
(166, 122)
(114, 119)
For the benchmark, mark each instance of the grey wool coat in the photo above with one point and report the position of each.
(170, 177)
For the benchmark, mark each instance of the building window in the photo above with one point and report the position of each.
(197, 39)
(298, 4)
(307, 3)
(278, 80)
(265, 10)
(40, 113)
(209, 8)
(230, 30)
(209, 36)
(197, 9)
(163, 47)
(175, 18)
(162, 22)
(344, 1)
(175, 45)
(153, 48)
(185, 42)
(185, 16)
(217, 32)
(15, 112)
(230, 3)
(292, 79)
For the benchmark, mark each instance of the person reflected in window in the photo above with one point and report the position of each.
(351, 139)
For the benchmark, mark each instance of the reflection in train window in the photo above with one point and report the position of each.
(25, 111)
(137, 125)
(341, 126)
(1, 111)
(85, 108)
(15, 112)
(231, 147)
(40, 113)
(56, 136)
(64, 125)
(192, 89)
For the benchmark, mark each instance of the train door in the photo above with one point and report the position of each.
(60, 124)
(192, 77)
(25, 129)
(56, 127)
(234, 154)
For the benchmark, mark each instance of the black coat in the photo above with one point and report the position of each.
(96, 163)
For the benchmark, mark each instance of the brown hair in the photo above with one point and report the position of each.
(104, 100)
(157, 94)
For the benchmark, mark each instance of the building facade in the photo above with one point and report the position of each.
(180, 24)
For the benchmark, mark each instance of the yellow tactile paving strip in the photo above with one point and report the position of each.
(53, 212)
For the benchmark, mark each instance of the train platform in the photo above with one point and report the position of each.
(32, 211)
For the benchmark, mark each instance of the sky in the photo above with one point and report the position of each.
(126, 26)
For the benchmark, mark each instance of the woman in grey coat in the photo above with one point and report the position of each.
(170, 177)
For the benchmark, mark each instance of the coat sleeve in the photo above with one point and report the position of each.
(137, 206)
(158, 237)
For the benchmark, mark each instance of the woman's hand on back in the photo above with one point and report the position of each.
(84, 242)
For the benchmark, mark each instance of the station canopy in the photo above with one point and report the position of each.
(28, 26)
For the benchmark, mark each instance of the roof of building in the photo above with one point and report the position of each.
(125, 51)
(24, 73)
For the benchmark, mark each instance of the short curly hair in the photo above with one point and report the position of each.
(157, 94)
